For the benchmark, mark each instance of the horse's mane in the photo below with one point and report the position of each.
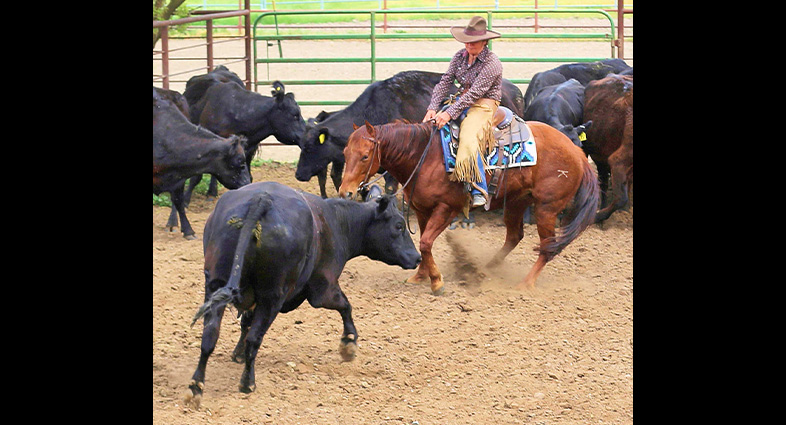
(405, 138)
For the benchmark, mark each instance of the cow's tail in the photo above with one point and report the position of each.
(579, 215)
(260, 204)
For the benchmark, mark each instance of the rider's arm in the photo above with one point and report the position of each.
(442, 88)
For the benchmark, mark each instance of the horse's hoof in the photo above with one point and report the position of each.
(439, 291)
(172, 229)
(416, 279)
(189, 237)
(348, 349)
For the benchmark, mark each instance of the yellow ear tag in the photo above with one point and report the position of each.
(583, 136)
(322, 138)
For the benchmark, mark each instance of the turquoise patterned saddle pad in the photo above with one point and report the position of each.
(515, 147)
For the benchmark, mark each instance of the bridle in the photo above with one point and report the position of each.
(365, 183)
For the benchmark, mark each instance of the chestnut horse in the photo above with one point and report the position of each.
(561, 174)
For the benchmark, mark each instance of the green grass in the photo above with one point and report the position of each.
(164, 200)
(452, 9)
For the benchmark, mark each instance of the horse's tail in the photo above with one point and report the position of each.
(579, 215)
(260, 204)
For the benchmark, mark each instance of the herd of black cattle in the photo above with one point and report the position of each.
(216, 122)
(268, 247)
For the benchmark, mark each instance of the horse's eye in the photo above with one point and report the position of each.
(365, 157)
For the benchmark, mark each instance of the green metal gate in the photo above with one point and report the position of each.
(273, 40)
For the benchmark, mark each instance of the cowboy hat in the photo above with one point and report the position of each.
(475, 31)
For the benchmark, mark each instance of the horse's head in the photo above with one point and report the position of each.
(362, 160)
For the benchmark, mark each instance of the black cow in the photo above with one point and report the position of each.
(197, 85)
(227, 108)
(562, 107)
(270, 247)
(404, 96)
(177, 99)
(583, 72)
(181, 150)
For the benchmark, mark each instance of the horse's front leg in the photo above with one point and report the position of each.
(422, 272)
(431, 226)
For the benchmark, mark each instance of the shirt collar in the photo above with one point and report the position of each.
(482, 56)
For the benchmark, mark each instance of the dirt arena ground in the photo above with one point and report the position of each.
(482, 353)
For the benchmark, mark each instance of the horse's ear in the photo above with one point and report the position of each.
(355, 126)
(369, 129)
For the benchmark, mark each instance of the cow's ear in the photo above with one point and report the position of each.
(374, 192)
(278, 89)
(369, 129)
(322, 116)
(237, 140)
(323, 135)
(382, 205)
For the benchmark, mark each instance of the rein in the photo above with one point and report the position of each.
(410, 179)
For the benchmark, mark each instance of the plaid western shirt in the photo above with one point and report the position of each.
(483, 77)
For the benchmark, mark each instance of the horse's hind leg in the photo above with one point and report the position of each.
(546, 216)
(514, 233)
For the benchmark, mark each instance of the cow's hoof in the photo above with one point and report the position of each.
(193, 398)
(247, 389)
(348, 349)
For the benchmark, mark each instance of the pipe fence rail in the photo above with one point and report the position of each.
(265, 34)
(164, 54)
(370, 27)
